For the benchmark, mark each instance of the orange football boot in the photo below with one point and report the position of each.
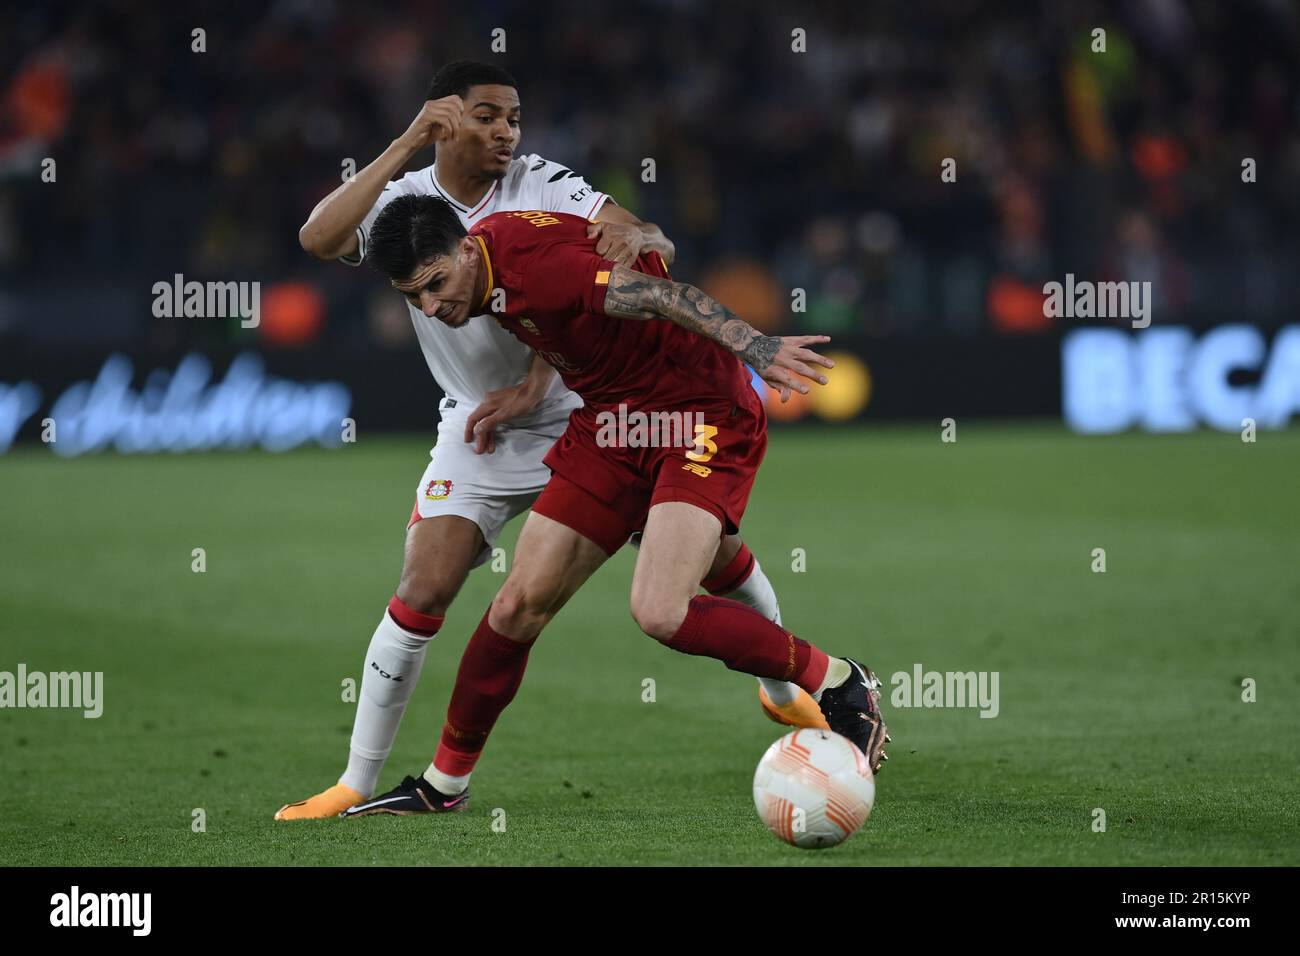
(329, 803)
(800, 712)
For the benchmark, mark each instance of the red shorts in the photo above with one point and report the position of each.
(604, 492)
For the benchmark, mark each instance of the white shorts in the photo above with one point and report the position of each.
(487, 489)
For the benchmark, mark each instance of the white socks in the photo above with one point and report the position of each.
(392, 668)
(444, 784)
(756, 591)
(837, 672)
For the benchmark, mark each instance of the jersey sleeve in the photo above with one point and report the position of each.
(566, 279)
(556, 188)
(406, 186)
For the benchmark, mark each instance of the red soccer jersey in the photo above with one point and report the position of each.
(554, 285)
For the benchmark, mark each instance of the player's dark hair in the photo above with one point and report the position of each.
(457, 77)
(411, 230)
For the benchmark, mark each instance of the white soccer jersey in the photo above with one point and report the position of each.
(481, 356)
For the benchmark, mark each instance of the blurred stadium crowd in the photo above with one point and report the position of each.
(775, 169)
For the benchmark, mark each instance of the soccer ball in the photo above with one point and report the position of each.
(814, 788)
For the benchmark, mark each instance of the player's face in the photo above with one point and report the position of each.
(444, 286)
(489, 130)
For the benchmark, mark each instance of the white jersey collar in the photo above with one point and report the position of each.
(456, 204)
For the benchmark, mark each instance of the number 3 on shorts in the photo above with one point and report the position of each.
(704, 446)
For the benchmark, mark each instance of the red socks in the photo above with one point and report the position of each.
(491, 670)
(746, 641)
(731, 577)
(492, 667)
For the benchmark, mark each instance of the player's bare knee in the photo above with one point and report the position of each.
(659, 618)
(424, 595)
(517, 612)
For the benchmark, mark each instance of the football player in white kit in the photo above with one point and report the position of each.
(503, 406)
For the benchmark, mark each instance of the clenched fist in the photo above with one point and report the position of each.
(437, 120)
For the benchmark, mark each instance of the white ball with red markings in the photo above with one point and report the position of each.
(814, 789)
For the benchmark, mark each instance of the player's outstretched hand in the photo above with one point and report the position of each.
(498, 407)
(437, 120)
(793, 362)
(620, 241)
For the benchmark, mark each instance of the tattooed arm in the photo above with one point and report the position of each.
(781, 361)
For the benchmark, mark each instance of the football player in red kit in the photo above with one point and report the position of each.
(629, 342)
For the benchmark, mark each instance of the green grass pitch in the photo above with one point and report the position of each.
(1120, 691)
